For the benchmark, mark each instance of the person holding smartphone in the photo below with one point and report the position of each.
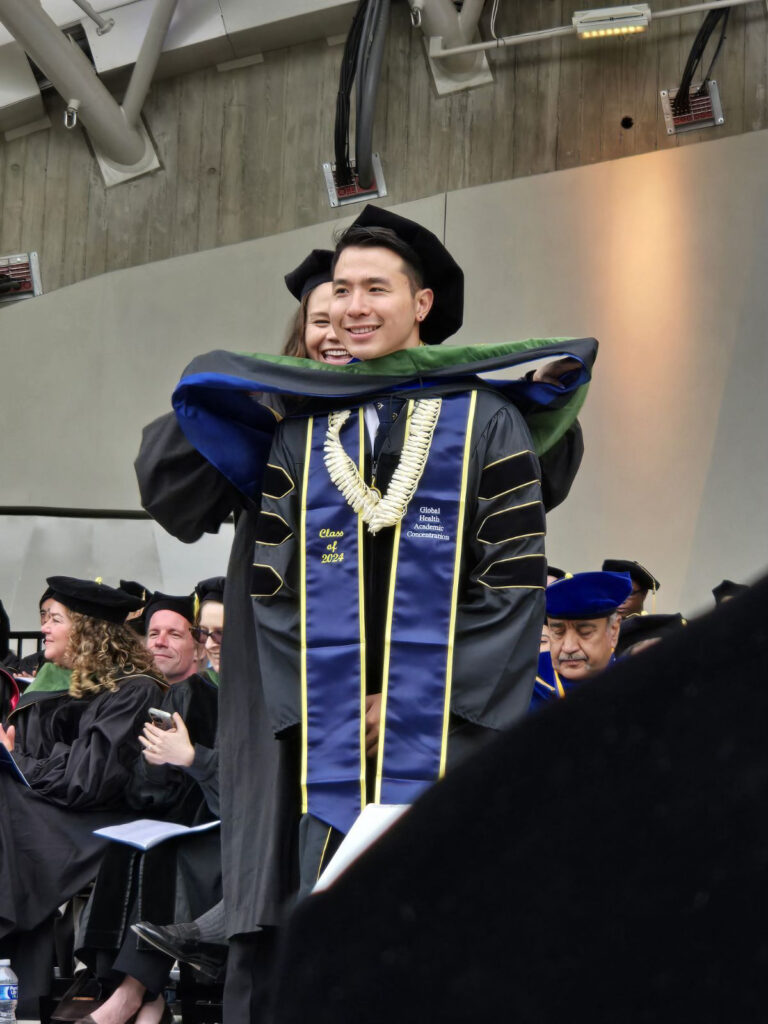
(175, 778)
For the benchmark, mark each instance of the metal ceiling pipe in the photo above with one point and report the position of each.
(440, 19)
(75, 80)
(439, 50)
(146, 62)
(469, 17)
(104, 24)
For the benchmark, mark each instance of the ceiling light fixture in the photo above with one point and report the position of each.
(612, 21)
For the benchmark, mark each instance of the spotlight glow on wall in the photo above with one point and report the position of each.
(612, 21)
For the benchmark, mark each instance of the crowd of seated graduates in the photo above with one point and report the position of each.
(102, 740)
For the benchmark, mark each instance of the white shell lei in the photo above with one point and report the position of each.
(378, 511)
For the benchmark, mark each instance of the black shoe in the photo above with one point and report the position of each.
(206, 957)
(85, 995)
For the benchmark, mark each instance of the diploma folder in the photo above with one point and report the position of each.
(9, 766)
(373, 822)
(144, 833)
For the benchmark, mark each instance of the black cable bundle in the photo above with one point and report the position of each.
(682, 102)
(370, 59)
(346, 81)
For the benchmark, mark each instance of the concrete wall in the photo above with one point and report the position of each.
(242, 150)
(660, 256)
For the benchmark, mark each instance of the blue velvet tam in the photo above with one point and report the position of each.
(588, 595)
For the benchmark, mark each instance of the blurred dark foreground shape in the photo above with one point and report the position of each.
(606, 860)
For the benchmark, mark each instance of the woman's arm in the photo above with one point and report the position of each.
(93, 770)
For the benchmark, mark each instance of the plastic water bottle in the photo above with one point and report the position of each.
(9, 993)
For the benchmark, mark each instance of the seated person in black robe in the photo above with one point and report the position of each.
(176, 779)
(77, 748)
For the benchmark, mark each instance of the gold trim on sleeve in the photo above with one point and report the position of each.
(272, 544)
(506, 458)
(517, 536)
(261, 565)
(509, 490)
(285, 473)
(510, 586)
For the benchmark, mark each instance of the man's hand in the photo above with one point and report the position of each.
(8, 739)
(372, 717)
(552, 372)
(168, 746)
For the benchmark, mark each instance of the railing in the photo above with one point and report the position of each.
(20, 635)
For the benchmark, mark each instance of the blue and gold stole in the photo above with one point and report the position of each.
(547, 686)
(423, 593)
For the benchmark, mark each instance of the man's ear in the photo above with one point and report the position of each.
(425, 298)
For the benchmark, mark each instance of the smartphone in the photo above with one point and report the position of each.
(162, 719)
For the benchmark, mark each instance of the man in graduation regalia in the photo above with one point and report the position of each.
(399, 566)
(213, 458)
(583, 620)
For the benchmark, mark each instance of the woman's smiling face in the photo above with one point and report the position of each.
(320, 341)
(55, 629)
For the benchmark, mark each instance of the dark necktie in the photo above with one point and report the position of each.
(387, 409)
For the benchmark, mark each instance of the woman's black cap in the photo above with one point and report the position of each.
(312, 271)
(183, 605)
(89, 597)
(441, 271)
(211, 589)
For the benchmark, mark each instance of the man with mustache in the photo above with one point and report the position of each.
(584, 621)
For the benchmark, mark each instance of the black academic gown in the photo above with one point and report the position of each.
(78, 755)
(174, 881)
(188, 497)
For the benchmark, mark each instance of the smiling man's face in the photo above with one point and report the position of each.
(375, 310)
(170, 643)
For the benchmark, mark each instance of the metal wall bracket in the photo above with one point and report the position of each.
(448, 81)
(114, 173)
(705, 111)
(19, 277)
(345, 194)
